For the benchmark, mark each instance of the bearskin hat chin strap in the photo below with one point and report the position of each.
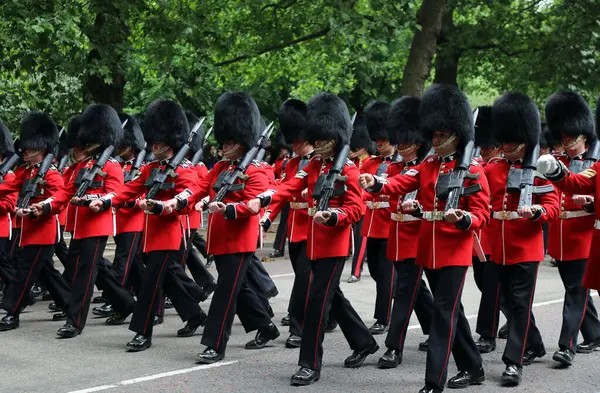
(406, 150)
(325, 149)
(447, 142)
(576, 141)
(32, 153)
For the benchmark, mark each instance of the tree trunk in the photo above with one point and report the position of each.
(108, 38)
(423, 47)
(448, 55)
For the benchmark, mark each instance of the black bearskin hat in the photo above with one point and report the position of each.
(328, 118)
(516, 119)
(198, 139)
(139, 117)
(237, 118)
(545, 138)
(72, 132)
(484, 134)
(567, 113)
(360, 136)
(38, 132)
(446, 107)
(165, 122)
(402, 124)
(292, 120)
(132, 134)
(281, 142)
(376, 114)
(7, 147)
(99, 124)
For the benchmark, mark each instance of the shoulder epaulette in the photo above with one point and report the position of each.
(350, 162)
(496, 160)
(112, 159)
(257, 164)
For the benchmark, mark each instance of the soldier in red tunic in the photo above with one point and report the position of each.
(518, 245)
(359, 145)
(570, 120)
(166, 129)
(445, 237)
(402, 129)
(39, 137)
(279, 169)
(328, 129)
(7, 268)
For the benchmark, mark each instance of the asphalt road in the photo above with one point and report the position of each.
(32, 360)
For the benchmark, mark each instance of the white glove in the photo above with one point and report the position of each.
(547, 165)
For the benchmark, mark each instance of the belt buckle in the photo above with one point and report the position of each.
(398, 217)
(563, 215)
(504, 215)
(438, 216)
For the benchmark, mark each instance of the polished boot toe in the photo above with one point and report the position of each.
(53, 307)
(117, 319)
(139, 343)
(378, 328)
(104, 311)
(424, 346)
(353, 279)
(390, 359)
(358, 357)
(210, 287)
(465, 379)
(588, 346)
(189, 329)
(168, 303)
(305, 376)
(564, 357)
(512, 375)
(263, 336)
(486, 345)
(427, 389)
(531, 354)
(293, 341)
(276, 254)
(503, 332)
(68, 331)
(158, 320)
(99, 300)
(209, 356)
(285, 321)
(9, 322)
(59, 316)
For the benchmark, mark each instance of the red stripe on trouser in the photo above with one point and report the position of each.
(237, 275)
(456, 302)
(411, 306)
(75, 272)
(128, 261)
(361, 255)
(323, 312)
(162, 267)
(529, 314)
(387, 318)
(496, 312)
(87, 287)
(27, 281)
(587, 296)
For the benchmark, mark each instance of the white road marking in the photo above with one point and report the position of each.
(153, 377)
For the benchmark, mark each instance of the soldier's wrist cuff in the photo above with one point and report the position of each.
(157, 208)
(332, 221)
(230, 212)
(464, 223)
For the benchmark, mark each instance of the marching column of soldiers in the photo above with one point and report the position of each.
(449, 188)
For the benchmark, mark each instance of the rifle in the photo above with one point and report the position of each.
(592, 155)
(226, 184)
(32, 186)
(63, 163)
(169, 171)
(137, 164)
(528, 176)
(88, 177)
(200, 153)
(7, 165)
(333, 177)
(458, 176)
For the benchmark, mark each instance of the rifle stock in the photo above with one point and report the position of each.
(333, 177)
(135, 168)
(90, 173)
(458, 176)
(33, 185)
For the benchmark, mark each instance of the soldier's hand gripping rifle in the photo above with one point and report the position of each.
(169, 171)
(137, 164)
(227, 183)
(200, 153)
(33, 185)
(457, 178)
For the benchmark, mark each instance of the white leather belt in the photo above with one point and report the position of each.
(312, 211)
(597, 224)
(399, 217)
(377, 205)
(298, 205)
(574, 214)
(506, 215)
(433, 216)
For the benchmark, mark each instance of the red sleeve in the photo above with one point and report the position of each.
(133, 189)
(286, 190)
(201, 170)
(582, 183)
(12, 184)
(401, 184)
(478, 204)
(549, 202)
(256, 184)
(351, 211)
(8, 201)
(202, 187)
(185, 182)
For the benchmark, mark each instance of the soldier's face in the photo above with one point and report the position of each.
(33, 156)
(384, 147)
(409, 151)
(232, 150)
(80, 154)
(573, 146)
(488, 153)
(161, 150)
(513, 150)
(325, 149)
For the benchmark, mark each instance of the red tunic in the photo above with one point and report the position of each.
(86, 222)
(194, 218)
(129, 218)
(587, 183)
(279, 167)
(297, 224)
(516, 240)
(42, 230)
(403, 228)
(161, 231)
(239, 234)
(8, 203)
(441, 243)
(69, 175)
(377, 216)
(326, 241)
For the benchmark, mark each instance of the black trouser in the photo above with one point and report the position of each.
(164, 271)
(492, 302)
(199, 242)
(325, 297)
(14, 244)
(411, 294)
(518, 287)
(578, 306)
(358, 256)
(88, 254)
(259, 276)
(199, 272)
(61, 250)
(232, 296)
(383, 272)
(29, 261)
(55, 283)
(254, 280)
(281, 234)
(8, 273)
(450, 330)
(299, 296)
